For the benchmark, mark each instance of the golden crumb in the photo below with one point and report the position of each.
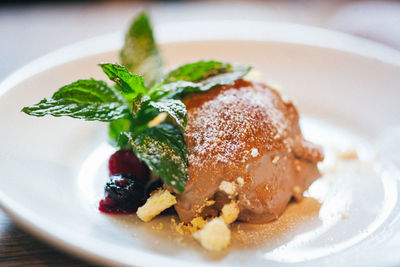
(207, 203)
(230, 212)
(214, 236)
(195, 225)
(344, 215)
(228, 188)
(173, 222)
(198, 222)
(158, 227)
(190, 228)
(348, 155)
(200, 209)
(159, 201)
(182, 229)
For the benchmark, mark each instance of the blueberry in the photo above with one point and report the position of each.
(126, 191)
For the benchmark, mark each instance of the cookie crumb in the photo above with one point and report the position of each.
(158, 227)
(240, 181)
(230, 212)
(158, 201)
(198, 222)
(228, 188)
(214, 236)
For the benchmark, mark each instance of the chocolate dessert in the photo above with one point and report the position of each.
(244, 144)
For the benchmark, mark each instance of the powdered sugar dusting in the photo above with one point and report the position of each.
(254, 152)
(231, 124)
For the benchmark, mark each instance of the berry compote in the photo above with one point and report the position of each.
(124, 193)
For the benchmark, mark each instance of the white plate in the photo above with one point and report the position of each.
(347, 90)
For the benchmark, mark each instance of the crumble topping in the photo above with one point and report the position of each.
(215, 235)
(159, 201)
(230, 212)
(228, 188)
(240, 181)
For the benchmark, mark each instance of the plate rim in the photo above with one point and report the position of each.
(277, 32)
(223, 30)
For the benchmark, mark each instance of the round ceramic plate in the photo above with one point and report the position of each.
(347, 92)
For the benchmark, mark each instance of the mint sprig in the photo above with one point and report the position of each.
(171, 164)
(117, 127)
(130, 85)
(174, 108)
(140, 52)
(181, 88)
(83, 99)
(136, 99)
(197, 71)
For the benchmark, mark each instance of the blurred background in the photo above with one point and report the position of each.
(29, 29)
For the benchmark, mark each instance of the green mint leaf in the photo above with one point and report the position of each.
(124, 140)
(117, 127)
(88, 91)
(130, 85)
(138, 103)
(89, 111)
(172, 90)
(197, 71)
(236, 72)
(140, 53)
(181, 88)
(175, 109)
(83, 99)
(164, 150)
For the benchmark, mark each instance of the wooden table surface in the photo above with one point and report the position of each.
(24, 27)
(18, 248)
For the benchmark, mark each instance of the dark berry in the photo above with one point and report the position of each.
(108, 204)
(124, 161)
(123, 193)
